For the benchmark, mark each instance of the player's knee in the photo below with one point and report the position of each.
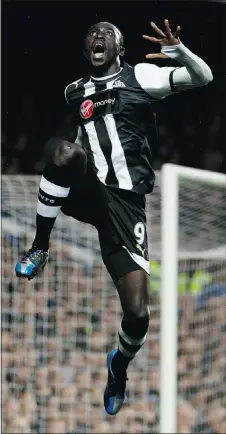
(138, 322)
(70, 154)
(138, 310)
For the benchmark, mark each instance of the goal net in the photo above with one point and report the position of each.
(57, 329)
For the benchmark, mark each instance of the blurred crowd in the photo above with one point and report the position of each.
(182, 141)
(57, 329)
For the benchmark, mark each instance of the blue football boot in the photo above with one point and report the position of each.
(114, 394)
(31, 263)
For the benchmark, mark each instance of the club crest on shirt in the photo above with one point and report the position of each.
(118, 83)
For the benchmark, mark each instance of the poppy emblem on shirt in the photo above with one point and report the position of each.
(86, 109)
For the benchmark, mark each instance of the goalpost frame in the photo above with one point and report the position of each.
(170, 175)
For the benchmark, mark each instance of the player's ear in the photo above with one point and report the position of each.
(122, 51)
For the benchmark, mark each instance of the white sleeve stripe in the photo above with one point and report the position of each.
(47, 211)
(53, 189)
(65, 95)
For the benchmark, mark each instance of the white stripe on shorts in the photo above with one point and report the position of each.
(139, 260)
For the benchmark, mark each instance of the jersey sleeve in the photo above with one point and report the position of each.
(161, 82)
(154, 80)
(71, 92)
(70, 95)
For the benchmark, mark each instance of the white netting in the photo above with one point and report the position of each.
(57, 329)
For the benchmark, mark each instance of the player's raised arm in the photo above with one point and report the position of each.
(160, 82)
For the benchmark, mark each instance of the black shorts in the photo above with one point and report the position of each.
(119, 217)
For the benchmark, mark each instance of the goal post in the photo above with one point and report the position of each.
(170, 198)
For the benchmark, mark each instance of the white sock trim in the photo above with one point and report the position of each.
(130, 340)
(125, 352)
(53, 189)
(47, 211)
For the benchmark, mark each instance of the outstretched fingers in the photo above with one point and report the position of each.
(167, 29)
(165, 38)
(157, 30)
(177, 32)
(151, 38)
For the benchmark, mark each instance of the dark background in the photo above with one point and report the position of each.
(42, 46)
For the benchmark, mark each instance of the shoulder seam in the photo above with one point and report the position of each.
(66, 88)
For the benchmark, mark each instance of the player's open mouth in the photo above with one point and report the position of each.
(98, 50)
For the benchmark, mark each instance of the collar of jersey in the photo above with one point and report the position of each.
(107, 76)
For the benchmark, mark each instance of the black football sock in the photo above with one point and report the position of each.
(132, 335)
(54, 189)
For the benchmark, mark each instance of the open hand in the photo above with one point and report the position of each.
(167, 38)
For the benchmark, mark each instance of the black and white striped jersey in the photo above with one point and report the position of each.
(115, 122)
(115, 116)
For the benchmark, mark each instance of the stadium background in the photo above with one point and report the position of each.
(51, 329)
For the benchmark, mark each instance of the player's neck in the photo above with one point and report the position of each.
(105, 71)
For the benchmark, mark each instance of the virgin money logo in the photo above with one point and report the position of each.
(86, 109)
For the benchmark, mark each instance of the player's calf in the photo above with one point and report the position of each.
(132, 334)
(133, 292)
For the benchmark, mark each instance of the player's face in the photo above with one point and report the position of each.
(102, 44)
